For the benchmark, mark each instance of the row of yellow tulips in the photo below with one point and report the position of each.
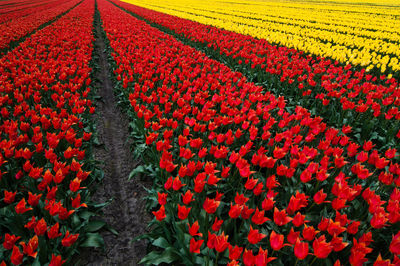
(360, 34)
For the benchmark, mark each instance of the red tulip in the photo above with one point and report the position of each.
(235, 252)
(160, 214)
(254, 236)
(56, 260)
(210, 205)
(69, 239)
(395, 244)
(195, 245)
(9, 196)
(321, 248)
(9, 241)
(258, 217)
(276, 240)
(280, 217)
(21, 207)
(183, 212)
(16, 256)
(301, 249)
(30, 248)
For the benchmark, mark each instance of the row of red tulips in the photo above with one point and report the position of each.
(342, 95)
(45, 131)
(19, 27)
(239, 178)
(17, 10)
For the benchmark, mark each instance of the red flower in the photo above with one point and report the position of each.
(33, 199)
(395, 244)
(292, 236)
(235, 211)
(16, 256)
(258, 217)
(334, 228)
(210, 205)
(299, 219)
(195, 245)
(353, 227)
(248, 257)
(31, 224)
(280, 217)
(183, 212)
(53, 232)
(338, 244)
(162, 198)
(268, 203)
(177, 184)
(21, 207)
(240, 199)
(309, 232)
(30, 248)
(235, 252)
(301, 249)
(75, 185)
(194, 229)
(56, 260)
(168, 183)
(9, 241)
(320, 197)
(217, 224)
(276, 240)
(187, 197)
(221, 242)
(322, 249)
(160, 214)
(9, 196)
(199, 182)
(69, 239)
(76, 203)
(211, 240)
(246, 212)
(254, 236)
(262, 257)
(380, 262)
(379, 219)
(41, 227)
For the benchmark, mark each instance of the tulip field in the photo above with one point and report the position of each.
(269, 130)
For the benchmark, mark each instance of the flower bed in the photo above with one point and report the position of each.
(237, 177)
(342, 95)
(19, 27)
(45, 149)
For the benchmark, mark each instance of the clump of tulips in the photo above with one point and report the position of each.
(242, 178)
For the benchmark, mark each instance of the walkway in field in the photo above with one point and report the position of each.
(126, 214)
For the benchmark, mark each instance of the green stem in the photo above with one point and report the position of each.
(312, 262)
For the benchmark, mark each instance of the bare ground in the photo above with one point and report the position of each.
(126, 213)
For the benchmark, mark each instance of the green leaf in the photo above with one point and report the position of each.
(86, 215)
(161, 242)
(141, 237)
(94, 226)
(36, 262)
(93, 240)
(112, 230)
(102, 205)
(155, 258)
(138, 170)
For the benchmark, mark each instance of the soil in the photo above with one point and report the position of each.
(126, 214)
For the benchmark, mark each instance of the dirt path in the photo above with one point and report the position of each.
(126, 213)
